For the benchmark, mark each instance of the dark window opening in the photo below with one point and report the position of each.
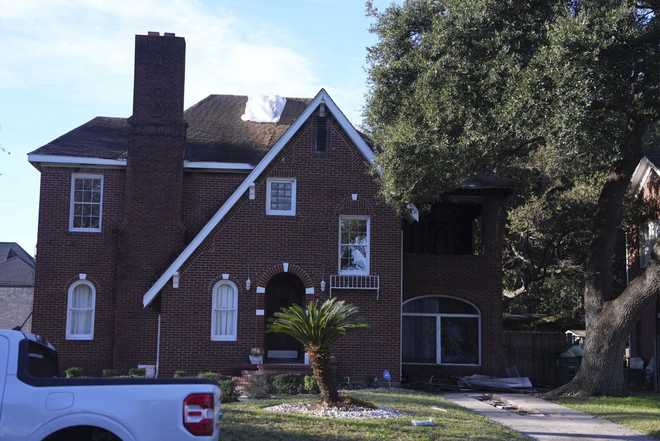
(321, 136)
(448, 228)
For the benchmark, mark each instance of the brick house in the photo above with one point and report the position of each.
(645, 182)
(169, 238)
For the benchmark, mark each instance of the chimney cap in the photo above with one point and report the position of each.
(153, 34)
(168, 34)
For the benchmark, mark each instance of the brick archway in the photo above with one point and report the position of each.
(284, 267)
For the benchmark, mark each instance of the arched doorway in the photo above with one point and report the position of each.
(283, 290)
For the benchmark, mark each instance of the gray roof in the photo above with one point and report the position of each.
(16, 265)
(216, 133)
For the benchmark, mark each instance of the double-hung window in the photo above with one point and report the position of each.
(86, 203)
(81, 306)
(648, 234)
(354, 245)
(281, 197)
(224, 315)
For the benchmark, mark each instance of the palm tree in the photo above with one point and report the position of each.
(317, 328)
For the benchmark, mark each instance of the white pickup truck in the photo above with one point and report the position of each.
(37, 405)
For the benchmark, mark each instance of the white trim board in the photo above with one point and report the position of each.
(321, 97)
(82, 160)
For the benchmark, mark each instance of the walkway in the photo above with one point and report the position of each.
(548, 421)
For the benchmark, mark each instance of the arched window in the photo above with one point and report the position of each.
(441, 330)
(81, 305)
(224, 311)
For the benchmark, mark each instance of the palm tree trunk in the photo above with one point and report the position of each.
(324, 377)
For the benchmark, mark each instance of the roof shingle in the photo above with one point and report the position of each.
(216, 133)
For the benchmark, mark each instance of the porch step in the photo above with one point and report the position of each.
(270, 369)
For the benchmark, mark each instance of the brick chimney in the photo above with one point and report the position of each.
(152, 232)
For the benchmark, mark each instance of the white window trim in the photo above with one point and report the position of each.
(292, 211)
(339, 244)
(72, 287)
(72, 229)
(214, 334)
(438, 336)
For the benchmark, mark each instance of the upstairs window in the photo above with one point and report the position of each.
(354, 245)
(81, 306)
(86, 206)
(649, 233)
(224, 314)
(281, 197)
(321, 135)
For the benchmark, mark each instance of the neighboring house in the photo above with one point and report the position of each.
(16, 286)
(646, 182)
(170, 238)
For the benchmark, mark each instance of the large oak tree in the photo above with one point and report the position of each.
(557, 95)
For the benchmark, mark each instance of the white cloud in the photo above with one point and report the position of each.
(88, 45)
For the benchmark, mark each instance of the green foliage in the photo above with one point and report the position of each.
(550, 94)
(137, 372)
(318, 326)
(288, 384)
(73, 372)
(226, 384)
(310, 385)
(180, 374)
(258, 386)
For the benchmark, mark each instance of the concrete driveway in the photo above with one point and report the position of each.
(546, 421)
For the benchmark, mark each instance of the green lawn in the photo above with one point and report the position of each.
(640, 411)
(247, 421)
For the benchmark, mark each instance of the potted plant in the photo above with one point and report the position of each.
(256, 356)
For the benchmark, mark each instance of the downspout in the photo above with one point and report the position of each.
(158, 348)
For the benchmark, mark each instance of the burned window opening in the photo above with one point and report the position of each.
(448, 228)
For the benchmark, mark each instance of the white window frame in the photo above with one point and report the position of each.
(438, 331)
(339, 245)
(292, 211)
(646, 241)
(73, 229)
(70, 291)
(215, 309)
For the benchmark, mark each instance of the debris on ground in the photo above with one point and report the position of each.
(505, 384)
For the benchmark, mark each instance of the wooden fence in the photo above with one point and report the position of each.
(535, 354)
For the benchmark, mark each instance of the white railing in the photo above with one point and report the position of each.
(356, 282)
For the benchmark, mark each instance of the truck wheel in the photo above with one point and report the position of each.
(83, 433)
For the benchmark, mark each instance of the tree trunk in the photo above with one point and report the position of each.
(324, 377)
(601, 371)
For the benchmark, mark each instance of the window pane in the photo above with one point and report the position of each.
(436, 305)
(419, 339)
(81, 297)
(280, 195)
(459, 340)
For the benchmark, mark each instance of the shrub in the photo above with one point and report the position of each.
(108, 373)
(289, 384)
(226, 384)
(310, 385)
(137, 372)
(258, 386)
(372, 382)
(228, 389)
(73, 372)
(180, 374)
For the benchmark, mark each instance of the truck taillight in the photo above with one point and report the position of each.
(198, 414)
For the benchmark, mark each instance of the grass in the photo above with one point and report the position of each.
(640, 412)
(249, 421)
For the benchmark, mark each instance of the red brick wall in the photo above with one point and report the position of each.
(476, 279)
(62, 256)
(249, 244)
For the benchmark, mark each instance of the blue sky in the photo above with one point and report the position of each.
(66, 61)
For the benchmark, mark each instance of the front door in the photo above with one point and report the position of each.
(282, 291)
